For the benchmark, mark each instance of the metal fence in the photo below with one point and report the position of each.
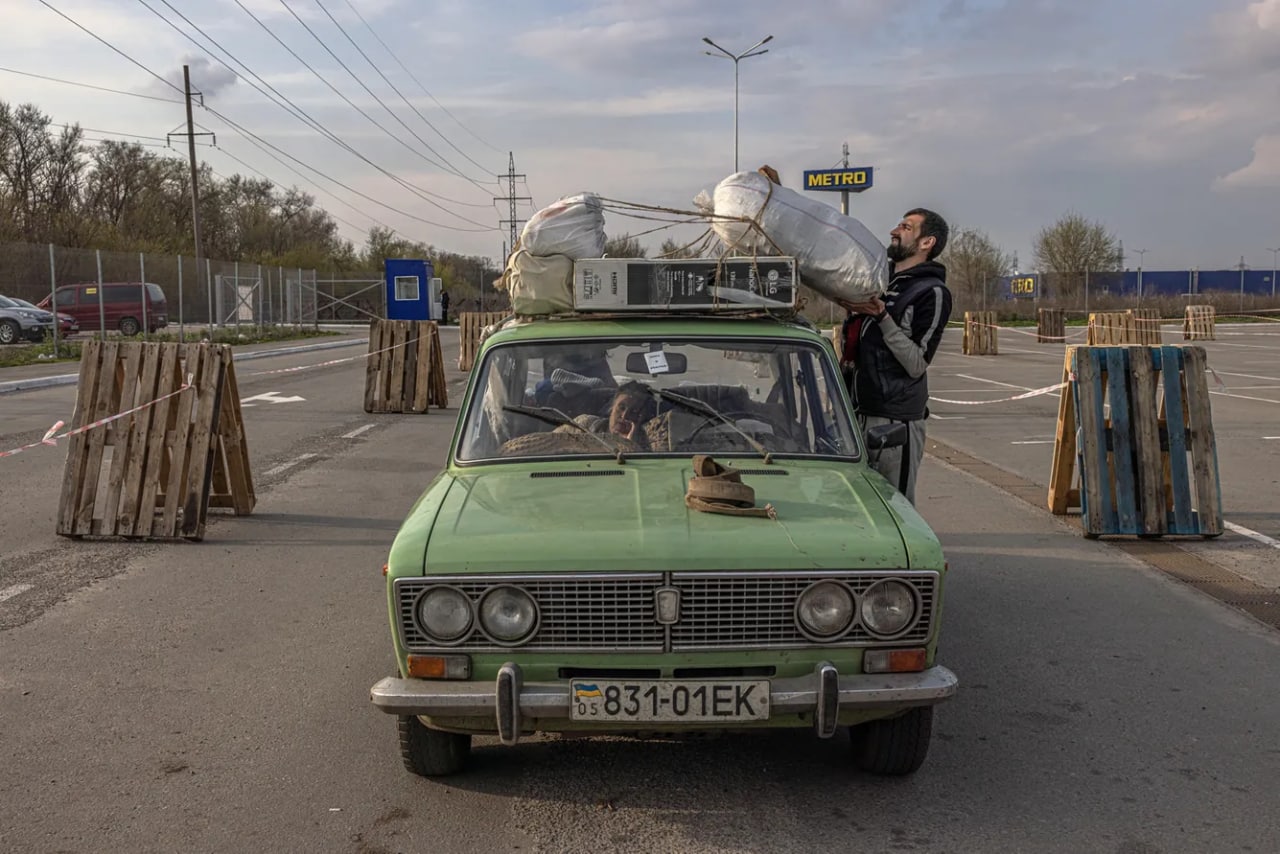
(217, 294)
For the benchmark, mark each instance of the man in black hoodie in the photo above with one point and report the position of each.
(889, 342)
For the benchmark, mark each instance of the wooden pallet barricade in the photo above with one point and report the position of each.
(471, 325)
(1146, 450)
(154, 472)
(1051, 326)
(980, 334)
(405, 367)
(1199, 322)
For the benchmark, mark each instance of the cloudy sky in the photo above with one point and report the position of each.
(1159, 118)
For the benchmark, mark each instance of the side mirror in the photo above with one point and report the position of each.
(677, 363)
(887, 436)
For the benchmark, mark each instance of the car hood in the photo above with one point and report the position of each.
(633, 518)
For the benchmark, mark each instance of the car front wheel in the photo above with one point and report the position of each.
(429, 752)
(893, 747)
(129, 327)
(9, 332)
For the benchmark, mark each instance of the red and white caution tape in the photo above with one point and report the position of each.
(52, 440)
(1049, 389)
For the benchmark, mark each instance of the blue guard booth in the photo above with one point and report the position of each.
(412, 291)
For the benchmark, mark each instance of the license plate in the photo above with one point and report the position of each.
(671, 701)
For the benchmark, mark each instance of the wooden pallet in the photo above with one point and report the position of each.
(1146, 449)
(1051, 326)
(1199, 323)
(471, 325)
(155, 472)
(405, 367)
(980, 334)
(1144, 327)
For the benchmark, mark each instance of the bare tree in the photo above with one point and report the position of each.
(1074, 246)
(624, 246)
(974, 262)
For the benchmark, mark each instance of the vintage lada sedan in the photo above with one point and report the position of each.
(661, 523)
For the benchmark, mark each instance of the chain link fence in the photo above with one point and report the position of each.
(215, 294)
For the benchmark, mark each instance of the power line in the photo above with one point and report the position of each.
(114, 133)
(407, 103)
(340, 94)
(91, 86)
(250, 134)
(336, 218)
(412, 77)
(367, 216)
(101, 40)
(247, 133)
(280, 100)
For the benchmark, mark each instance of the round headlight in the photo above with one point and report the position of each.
(825, 610)
(508, 614)
(888, 608)
(445, 614)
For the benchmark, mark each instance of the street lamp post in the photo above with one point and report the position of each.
(724, 54)
(1273, 271)
(1140, 252)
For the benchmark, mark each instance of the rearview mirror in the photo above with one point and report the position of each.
(884, 436)
(638, 363)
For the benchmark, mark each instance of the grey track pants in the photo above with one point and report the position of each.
(889, 462)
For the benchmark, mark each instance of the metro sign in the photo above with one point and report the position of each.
(845, 179)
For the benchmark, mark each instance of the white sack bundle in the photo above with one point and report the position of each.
(836, 255)
(572, 226)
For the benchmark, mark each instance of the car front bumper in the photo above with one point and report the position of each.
(823, 693)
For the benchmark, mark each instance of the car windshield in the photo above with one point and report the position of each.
(646, 396)
(22, 303)
(5, 302)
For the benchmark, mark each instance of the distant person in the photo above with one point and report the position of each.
(444, 307)
(890, 340)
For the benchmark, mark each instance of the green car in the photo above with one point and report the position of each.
(659, 523)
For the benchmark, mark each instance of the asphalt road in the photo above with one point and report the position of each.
(213, 696)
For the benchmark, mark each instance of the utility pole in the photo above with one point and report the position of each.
(844, 194)
(512, 198)
(195, 182)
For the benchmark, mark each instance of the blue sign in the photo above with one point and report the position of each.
(845, 179)
(1025, 286)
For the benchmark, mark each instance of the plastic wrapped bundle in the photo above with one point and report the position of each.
(836, 255)
(572, 226)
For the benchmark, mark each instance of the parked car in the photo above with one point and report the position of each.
(561, 575)
(18, 321)
(67, 324)
(126, 306)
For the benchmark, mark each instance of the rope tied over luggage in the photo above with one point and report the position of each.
(716, 488)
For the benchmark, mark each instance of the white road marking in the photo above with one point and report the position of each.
(1035, 442)
(1271, 437)
(947, 417)
(1253, 535)
(994, 382)
(1243, 396)
(1250, 376)
(286, 466)
(271, 397)
(14, 590)
(358, 431)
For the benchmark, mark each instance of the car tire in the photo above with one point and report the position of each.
(9, 332)
(893, 747)
(129, 326)
(430, 752)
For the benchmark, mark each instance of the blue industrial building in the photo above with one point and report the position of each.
(1155, 283)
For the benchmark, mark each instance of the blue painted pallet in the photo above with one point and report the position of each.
(1146, 450)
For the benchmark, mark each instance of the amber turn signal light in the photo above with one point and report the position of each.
(439, 666)
(893, 661)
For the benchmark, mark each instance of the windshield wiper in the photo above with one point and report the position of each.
(700, 407)
(551, 415)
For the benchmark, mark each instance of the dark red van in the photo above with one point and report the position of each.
(126, 306)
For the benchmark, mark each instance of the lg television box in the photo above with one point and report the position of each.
(683, 284)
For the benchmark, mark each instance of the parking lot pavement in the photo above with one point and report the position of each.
(1018, 435)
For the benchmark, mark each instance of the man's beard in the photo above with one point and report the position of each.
(900, 251)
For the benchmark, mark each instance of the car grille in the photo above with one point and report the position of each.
(718, 611)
